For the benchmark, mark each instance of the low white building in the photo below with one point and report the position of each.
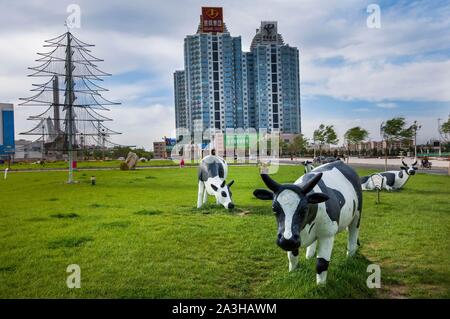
(28, 150)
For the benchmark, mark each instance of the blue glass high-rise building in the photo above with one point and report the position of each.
(212, 80)
(272, 89)
(224, 88)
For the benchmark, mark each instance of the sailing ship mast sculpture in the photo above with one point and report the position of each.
(69, 126)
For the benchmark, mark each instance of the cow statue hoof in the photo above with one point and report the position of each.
(321, 279)
(293, 260)
(305, 220)
(212, 173)
(351, 253)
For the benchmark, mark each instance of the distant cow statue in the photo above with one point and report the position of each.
(212, 172)
(369, 182)
(393, 179)
(313, 210)
(131, 160)
(308, 166)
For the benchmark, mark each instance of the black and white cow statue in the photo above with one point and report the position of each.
(311, 211)
(393, 180)
(212, 172)
(375, 181)
(308, 166)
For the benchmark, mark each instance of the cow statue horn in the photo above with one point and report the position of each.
(415, 163)
(404, 164)
(309, 185)
(270, 183)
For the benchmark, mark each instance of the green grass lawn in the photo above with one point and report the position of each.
(137, 234)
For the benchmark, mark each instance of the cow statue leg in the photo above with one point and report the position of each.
(293, 259)
(353, 233)
(205, 196)
(323, 259)
(311, 250)
(201, 190)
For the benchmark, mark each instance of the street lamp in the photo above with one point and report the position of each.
(415, 127)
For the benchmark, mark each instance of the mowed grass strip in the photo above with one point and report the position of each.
(140, 237)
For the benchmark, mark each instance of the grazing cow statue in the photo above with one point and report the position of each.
(308, 166)
(212, 173)
(393, 179)
(313, 210)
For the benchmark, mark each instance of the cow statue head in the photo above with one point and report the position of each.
(222, 192)
(290, 204)
(410, 170)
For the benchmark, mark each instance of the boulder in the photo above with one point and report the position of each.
(131, 160)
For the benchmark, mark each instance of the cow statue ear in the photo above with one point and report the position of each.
(263, 194)
(231, 183)
(403, 167)
(214, 187)
(316, 198)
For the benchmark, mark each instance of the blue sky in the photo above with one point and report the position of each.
(350, 74)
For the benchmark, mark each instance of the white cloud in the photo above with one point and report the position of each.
(142, 125)
(417, 81)
(387, 105)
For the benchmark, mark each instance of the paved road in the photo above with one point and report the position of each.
(380, 167)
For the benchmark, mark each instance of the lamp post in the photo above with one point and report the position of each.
(42, 145)
(416, 127)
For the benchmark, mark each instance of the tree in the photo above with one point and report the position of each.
(394, 130)
(355, 135)
(284, 147)
(325, 135)
(415, 127)
(445, 129)
(298, 145)
(330, 136)
(445, 133)
(120, 151)
(319, 137)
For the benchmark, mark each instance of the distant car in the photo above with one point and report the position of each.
(143, 159)
(121, 158)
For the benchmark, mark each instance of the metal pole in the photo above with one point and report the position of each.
(439, 130)
(415, 144)
(69, 106)
(42, 144)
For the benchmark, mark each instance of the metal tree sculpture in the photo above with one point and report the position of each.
(71, 120)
